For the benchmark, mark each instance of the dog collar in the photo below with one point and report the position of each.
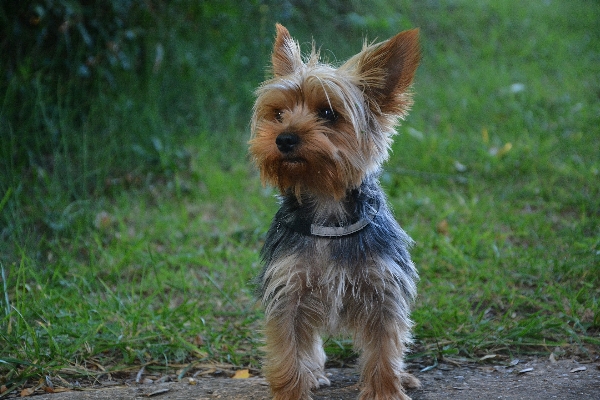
(301, 224)
(336, 231)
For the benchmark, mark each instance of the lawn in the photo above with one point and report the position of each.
(495, 174)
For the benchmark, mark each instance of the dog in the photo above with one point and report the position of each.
(335, 259)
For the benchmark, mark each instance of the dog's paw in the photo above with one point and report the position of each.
(391, 392)
(409, 381)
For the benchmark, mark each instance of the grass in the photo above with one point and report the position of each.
(494, 174)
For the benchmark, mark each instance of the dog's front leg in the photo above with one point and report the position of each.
(295, 359)
(378, 314)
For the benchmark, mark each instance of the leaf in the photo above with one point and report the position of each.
(523, 371)
(241, 374)
(443, 227)
(8, 360)
(485, 136)
(578, 369)
(435, 364)
(505, 149)
(499, 152)
(429, 368)
(27, 392)
(157, 392)
(486, 357)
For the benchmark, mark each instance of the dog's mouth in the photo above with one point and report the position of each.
(293, 160)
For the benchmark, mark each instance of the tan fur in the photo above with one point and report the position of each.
(383, 71)
(322, 299)
(306, 296)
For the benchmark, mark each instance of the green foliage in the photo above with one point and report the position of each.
(504, 199)
(104, 92)
(74, 39)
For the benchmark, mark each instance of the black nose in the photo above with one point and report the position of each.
(286, 142)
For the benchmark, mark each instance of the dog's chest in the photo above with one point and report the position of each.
(325, 274)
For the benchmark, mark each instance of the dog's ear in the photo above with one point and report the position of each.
(386, 71)
(286, 56)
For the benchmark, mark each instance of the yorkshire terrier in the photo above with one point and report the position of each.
(335, 258)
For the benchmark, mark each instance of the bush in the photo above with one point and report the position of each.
(95, 92)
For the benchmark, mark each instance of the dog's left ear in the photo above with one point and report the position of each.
(386, 71)
(286, 57)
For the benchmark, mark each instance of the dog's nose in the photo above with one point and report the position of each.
(286, 142)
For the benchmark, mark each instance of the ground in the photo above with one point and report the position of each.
(533, 378)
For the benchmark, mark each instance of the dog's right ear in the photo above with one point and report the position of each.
(286, 58)
(386, 71)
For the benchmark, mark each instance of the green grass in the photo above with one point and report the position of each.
(495, 174)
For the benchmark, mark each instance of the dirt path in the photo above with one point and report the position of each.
(535, 379)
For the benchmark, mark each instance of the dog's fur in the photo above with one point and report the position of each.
(335, 258)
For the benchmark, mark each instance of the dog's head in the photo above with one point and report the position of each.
(319, 130)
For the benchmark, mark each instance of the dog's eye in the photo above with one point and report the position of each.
(278, 115)
(327, 114)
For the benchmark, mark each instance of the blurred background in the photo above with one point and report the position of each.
(97, 94)
(131, 217)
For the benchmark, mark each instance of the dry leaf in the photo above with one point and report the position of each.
(578, 369)
(198, 340)
(156, 392)
(443, 227)
(429, 368)
(138, 377)
(525, 370)
(552, 358)
(487, 357)
(241, 374)
(192, 381)
(485, 135)
(499, 152)
(27, 392)
(49, 383)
